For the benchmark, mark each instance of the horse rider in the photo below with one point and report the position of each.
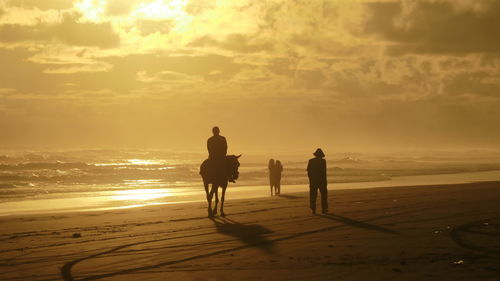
(217, 148)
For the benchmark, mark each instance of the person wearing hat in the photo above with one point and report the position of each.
(316, 171)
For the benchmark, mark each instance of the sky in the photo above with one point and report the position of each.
(357, 75)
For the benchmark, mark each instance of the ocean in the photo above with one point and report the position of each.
(76, 180)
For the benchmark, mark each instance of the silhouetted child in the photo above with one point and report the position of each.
(316, 171)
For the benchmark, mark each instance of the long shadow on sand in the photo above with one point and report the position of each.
(235, 230)
(359, 224)
(287, 196)
(250, 234)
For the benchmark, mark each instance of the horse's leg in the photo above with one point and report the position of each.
(209, 199)
(216, 193)
(222, 201)
(206, 189)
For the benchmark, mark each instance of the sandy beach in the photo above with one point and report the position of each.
(441, 232)
(116, 115)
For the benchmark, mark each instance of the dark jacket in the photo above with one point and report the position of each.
(316, 171)
(217, 147)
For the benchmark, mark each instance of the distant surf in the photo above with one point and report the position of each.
(93, 179)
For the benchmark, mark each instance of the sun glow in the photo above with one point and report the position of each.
(162, 9)
(92, 10)
(145, 162)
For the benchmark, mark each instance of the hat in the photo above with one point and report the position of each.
(319, 153)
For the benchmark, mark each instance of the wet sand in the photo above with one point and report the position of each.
(133, 198)
(437, 232)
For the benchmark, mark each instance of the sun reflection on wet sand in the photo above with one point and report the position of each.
(141, 194)
(139, 197)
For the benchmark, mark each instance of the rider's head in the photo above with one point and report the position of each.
(215, 130)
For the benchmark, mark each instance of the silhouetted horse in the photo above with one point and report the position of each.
(218, 177)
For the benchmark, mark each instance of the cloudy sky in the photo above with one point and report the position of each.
(273, 74)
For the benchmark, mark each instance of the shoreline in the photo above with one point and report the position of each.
(151, 197)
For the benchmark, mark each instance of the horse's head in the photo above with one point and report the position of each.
(233, 165)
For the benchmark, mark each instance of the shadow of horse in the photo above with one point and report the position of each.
(252, 235)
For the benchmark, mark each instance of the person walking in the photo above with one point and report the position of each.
(272, 174)
(316, 171)
(277, 178)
